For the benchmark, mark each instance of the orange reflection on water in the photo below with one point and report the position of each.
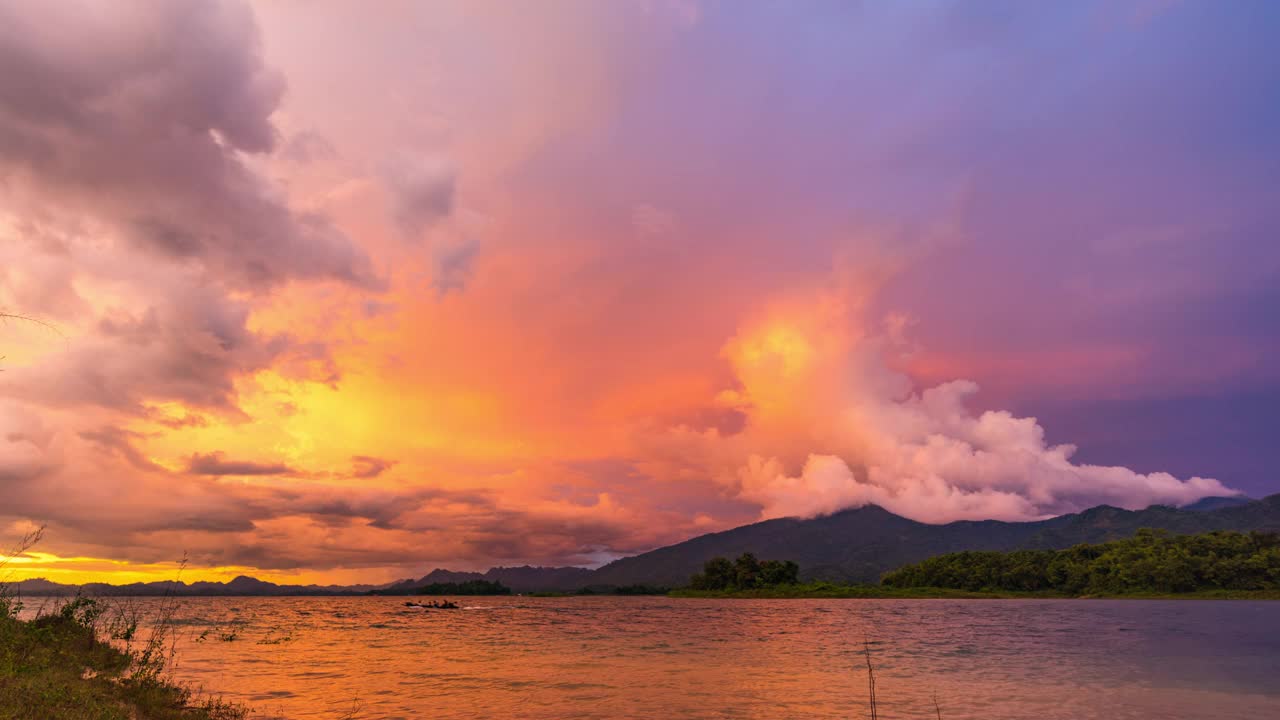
(620, 657)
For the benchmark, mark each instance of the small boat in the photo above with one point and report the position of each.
(446, 605)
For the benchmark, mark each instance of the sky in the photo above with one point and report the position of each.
(329, 292)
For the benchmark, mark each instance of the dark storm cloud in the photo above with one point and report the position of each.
(453, 266)
(147, 501)
(516, 536)
(365, 466)
(485, 536)
(214, 463)
(275, 523)
(25, 454)
(189, 347)
(422, 193)
(120, 442)
(140, 116)
(124, 137)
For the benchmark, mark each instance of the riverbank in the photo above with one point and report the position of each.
(60, 666)
(818, 591)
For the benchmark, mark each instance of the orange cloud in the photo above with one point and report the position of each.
(471, 293)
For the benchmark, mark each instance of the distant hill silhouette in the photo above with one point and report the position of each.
(861, 544)
(240, 586)
(1214, 503)
(525, 578)
(857, 545)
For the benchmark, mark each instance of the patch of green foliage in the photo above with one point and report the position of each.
(834, 591)
(60, 665)
(1153, 562)
(470, 587)
(745, 573)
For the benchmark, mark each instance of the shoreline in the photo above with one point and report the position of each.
(800, 592)
(64, 664)
(877, 592)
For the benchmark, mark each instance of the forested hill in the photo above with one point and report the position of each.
(1153, 561)
(856, 546)
(525, 578)
(860, 545)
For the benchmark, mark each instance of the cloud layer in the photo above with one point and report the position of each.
(829, 426)
(502, 284)
(120, 116)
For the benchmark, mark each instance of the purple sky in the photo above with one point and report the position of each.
(345, 294)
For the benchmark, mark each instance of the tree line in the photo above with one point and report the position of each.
(469, 587)
(1153, 561)
(745, 573)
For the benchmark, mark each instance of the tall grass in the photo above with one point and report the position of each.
(871, 681)
(82, 658)
(10, 598)
(873, 702)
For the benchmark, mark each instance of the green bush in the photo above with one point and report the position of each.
(745, 573)
(470, 587)
(1153, 561)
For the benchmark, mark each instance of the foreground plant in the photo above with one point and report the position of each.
(63, 663)
(60, 666)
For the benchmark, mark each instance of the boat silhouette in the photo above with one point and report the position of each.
(446, 605)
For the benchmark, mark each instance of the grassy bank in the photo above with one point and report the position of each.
(61, 665)
(830, 590)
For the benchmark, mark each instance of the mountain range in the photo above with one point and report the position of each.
(861, 544)
(240, 586)
(856, 545)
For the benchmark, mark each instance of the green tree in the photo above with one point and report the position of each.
(744, 573)
(717, 574)
(779, 572)
(1150, 561)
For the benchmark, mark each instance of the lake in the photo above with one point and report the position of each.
(654, 657)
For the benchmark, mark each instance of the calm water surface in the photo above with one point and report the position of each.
(686, 658)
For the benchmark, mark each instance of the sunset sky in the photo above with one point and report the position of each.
(342, 292)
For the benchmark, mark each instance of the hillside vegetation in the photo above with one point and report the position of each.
(745, 573)
(1151, 562)
(860, 545)
(470, 587)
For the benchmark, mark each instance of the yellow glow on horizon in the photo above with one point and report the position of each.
(80, 570)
